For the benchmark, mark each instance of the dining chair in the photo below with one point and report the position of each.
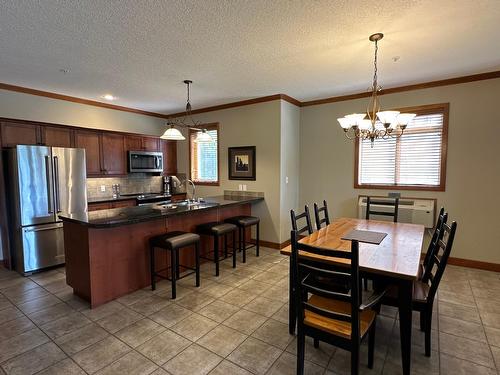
(424, 291)
(317, 215)
(436, 236)
(304, 216)
(389, 202)
(339, 319)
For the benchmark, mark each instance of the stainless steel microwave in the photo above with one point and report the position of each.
(145, 161)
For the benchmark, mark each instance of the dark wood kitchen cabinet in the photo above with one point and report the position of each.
(150, 144)
(113, 155)
(90, 141)
(169, 149)
(137, 143)
(56, 136)
(18, 133)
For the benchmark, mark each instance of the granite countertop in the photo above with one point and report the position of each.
(123, 198)
(130, 215)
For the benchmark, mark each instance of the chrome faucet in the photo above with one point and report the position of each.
(193, 195)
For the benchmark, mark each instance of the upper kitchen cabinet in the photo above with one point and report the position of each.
(18, 133)
(169, 149)
(91, 142)
(113, 155)
(56, 136)
(138, 143)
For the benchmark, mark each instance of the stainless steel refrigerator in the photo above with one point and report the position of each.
(42, 183)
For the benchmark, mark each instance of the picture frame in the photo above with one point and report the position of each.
(241, 163)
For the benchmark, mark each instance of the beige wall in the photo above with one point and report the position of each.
(36, 108)
(473, 167)
(253, 125)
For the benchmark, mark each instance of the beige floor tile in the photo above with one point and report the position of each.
(268, 278)
(228, 368)
(15, 327)
(102, 311)
(453, 310)
(493, 336)
(21, 343)
(255, 355)
(222, 340)
(163, 347)
(56, 286)
(455, 366)
(38, 304)
(81, 338)
(101, 354)
(457, 298)
(496, 356)
(194, 326)
(131, 363)
(35, 360)
(274, 333)
(50, 313)
(420, 364)
(473, 331)
(134, 297)
(119, 320)
(19, 295)
(263, 306)
(65, 367)
(47, 277)
(194, 360)
(276, 293)
(282, 314)
(140, 332)
(64, 325)
(170, 315)
(219, 311)
(245, 321)
(490, 319)
(217, 290)
(286, 364)
(254, 286)
(4, 302)
(320, 356)
(238, 297)
(466, 349)
(195, 301)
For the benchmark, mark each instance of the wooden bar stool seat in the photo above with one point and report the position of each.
(173, 242)
(243, 222)
(219, 231)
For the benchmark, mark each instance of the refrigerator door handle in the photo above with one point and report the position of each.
(40, 229)
(56, 177)
(50, 203)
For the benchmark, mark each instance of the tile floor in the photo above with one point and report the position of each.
(233, 324)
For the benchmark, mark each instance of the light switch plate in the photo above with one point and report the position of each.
(103, 188)
(244, 188)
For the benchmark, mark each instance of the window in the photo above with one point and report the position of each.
(204, 157)
(416, 161)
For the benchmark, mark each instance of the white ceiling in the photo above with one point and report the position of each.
(141, 50)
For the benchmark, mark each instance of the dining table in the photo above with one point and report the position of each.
(394, 261)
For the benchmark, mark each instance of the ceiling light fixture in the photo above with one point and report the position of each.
(379, 124)
(109, 97)
(187, 122)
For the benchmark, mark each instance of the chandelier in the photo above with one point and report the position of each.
(187, 122)
(375, 124)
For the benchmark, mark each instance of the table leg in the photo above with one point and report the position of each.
(292, 316)
(405, 321)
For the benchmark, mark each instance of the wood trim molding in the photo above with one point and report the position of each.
(272, 245)
(287, 98)
(495, 267)
(74, 99)
(417, 86)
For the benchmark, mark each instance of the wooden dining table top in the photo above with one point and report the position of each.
(398, 255)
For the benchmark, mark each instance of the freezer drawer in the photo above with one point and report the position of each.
(43, 246)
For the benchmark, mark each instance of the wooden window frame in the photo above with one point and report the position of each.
(210, 126)
(443, 108)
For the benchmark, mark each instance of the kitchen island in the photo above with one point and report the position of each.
(107, 251)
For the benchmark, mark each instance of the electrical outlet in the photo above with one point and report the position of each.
(286, 180)
(240, 187)
(244, 188)
(103, 188)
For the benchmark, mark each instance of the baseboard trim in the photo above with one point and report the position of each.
(273, 245)
(474, 264)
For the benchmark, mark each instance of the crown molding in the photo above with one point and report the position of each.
(287, 98)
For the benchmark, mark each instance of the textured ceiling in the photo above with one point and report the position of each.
(141, 50)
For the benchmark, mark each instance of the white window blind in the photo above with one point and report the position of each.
(204, 158)
(411, 160)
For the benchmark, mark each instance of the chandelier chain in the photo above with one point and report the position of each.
(375, 68)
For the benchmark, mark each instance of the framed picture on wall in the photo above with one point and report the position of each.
(241, 163)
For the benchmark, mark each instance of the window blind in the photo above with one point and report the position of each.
(204, 158)
(411, 160)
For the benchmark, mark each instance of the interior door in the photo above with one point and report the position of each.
(70, 184)
(35, 188)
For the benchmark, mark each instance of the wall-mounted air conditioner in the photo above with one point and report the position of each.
(411, 210)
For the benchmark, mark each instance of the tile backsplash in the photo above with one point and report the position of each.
(136, 183)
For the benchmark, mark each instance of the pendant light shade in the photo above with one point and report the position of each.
(203, 137)
(172, 134)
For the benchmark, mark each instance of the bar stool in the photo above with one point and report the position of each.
(243, 222)
(218, 231)
(173, 242)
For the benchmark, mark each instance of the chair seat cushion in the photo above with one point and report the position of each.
(243, 221)
(215, 228)
(333, 326)
(175, 240)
